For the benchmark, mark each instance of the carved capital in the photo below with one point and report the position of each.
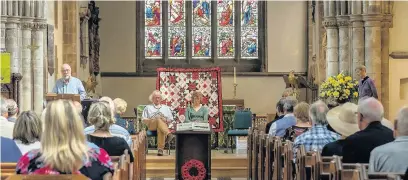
(387, 21)
(343, 23)
(26, 25)
(330, 24)
(39, 26)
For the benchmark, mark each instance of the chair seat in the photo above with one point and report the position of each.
(238, 132)
(151, 133)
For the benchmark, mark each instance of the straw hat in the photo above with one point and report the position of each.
(343, 119)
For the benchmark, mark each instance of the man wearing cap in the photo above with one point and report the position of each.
(358, 146)
(393, 156)
(343, 120)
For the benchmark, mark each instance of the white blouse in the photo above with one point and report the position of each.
(24, 148)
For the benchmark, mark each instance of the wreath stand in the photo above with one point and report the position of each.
(193, 155)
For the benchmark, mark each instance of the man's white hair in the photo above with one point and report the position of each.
(371, 109)
(155, 93)
(12, 107)
(318, 112)
(402, 122)
(289, 103)
(3, 106)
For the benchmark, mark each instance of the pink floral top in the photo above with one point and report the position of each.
(98, 164)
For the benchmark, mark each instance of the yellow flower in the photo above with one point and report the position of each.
(340, 76)
(336, 94)
(328, 93)
(322, 94)
(347, 92)
(355, 94)
(347, 78)
(329, 79)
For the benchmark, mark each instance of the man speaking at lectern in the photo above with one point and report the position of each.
(68, 84)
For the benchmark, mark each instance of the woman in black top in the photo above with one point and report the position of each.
(100, 116)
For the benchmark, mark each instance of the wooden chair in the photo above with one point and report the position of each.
(351, 171)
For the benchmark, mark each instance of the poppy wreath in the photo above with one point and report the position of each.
(193, 164)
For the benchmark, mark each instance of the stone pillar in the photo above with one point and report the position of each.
(372, 24)
(12, 42)
(332, 50)
(3, 32)
(385, 41)
(344, 50)
(26, 89)
(38, 64)
(357, 37)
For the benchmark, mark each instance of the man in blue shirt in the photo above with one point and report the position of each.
(9, 150)
(68, 84)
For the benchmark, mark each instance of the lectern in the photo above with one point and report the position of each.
(52, 97)
(193, 154)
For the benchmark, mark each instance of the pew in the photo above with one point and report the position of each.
(261, 154)
(249, 153)
(269, 143)
(288, 160)
(139, 151)
(255, 149)
(277, 163)
(379, 175)
(7, 169)
(121, 165)
(51, 177)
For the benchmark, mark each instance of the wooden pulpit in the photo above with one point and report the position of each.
(52, 97)
(193, 149)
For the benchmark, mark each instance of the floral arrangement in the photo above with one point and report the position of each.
(193, 170)
(341, 88)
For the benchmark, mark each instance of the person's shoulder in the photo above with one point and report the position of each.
(6, 140)
(120, 128)
(382, 149)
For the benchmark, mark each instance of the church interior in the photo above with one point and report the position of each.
(250, 63)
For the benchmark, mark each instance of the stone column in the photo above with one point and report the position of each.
(12, 43)
(372, 24)
(344, 58)
(3, 32)
(38, 64)
(332, 50)
(26, 100)
(385, 41)
(357, 37)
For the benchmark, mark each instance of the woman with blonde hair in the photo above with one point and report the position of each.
(27, 131)
(120, 109)
(100, 116)
(301, 113)
(156, 116)
(63, 147)
(196, 112)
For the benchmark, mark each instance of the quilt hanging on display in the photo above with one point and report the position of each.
(178, 84)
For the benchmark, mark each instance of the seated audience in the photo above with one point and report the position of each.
(318, 136)
(358, 146)
(279, 114)
(393, 156)
(63, 147)
(120, 109)
(196, 112)
(278, 128)
(9, 151)
(156, 116)
(116, 130)
(6, 127)
(301, 113)
(12, 110)
(78, 106)
(27, 131)
(343, 120)
(101, 118)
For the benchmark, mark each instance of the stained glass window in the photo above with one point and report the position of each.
(226, 36)
(153, 31)
(249, 29)
(177, 29)
(201, 28)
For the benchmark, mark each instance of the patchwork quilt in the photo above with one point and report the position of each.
(177, 85)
